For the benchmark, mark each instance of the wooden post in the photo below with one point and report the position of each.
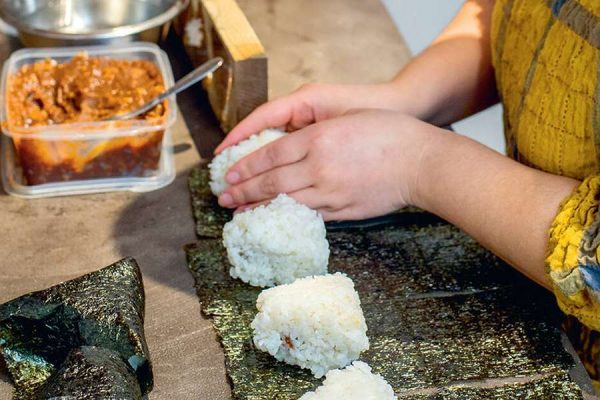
(241, 84)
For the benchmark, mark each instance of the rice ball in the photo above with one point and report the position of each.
(222, 162)
(316, 323)
(276, 243)
(355, 382)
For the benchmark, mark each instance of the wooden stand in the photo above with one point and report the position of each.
(241, 84)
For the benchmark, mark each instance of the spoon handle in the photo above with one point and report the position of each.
(190, 79)
(193, 77)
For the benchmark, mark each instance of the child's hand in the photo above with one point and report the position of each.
(354, 166)
(309, 104)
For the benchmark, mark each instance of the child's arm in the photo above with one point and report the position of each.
(453, 78)
(546, 226)
(448, 81)
(504, 205)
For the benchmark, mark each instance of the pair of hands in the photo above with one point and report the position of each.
(342, 160)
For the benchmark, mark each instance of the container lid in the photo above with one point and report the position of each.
(13, 181)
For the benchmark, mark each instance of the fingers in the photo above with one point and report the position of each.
(310, 197)
(276, 113)
(286, 150)
(286, 179)
(290, 113)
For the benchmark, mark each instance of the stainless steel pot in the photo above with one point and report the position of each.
(51, 23)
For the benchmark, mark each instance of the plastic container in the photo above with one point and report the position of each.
(87, 157)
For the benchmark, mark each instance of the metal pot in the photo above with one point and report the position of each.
(52, 23)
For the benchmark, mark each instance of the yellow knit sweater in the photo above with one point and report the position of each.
(546, 54)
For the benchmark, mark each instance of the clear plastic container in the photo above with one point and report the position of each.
(87, 157)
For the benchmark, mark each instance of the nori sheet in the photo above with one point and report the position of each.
(445, 316)
(551, 387)
(209, 217)
(421, 334)
(104, 309)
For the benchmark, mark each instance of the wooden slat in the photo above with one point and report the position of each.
(234, 29)
(241, 84)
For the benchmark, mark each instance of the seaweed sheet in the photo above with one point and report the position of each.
(79, 331)
(446, 319)
(209, 217)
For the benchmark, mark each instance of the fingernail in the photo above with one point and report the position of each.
(225, 200)
(232, 177)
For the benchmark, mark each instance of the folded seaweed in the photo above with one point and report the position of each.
(94, 372)
(83, 338)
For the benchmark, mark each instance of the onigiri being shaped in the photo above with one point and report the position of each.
(225, 160)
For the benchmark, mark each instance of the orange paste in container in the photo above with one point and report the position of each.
(85, 89)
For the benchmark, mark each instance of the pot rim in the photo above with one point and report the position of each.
(107, 33)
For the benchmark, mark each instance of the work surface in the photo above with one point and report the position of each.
(51, 240)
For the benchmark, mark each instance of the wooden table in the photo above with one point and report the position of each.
(47, 241)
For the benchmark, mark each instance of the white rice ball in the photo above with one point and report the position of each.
(276, 243)
(355, 382)
(316, 323)
(225, 160)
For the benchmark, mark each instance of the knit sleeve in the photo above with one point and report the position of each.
(573, 261)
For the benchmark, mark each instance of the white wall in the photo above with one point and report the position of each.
(419, 23)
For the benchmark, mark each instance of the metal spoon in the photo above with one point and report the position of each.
(193, 77)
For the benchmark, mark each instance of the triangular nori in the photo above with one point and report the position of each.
(42, 334)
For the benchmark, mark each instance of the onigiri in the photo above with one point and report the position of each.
(276, 243)
(355, 382)
(316, 323)
(225, 160)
